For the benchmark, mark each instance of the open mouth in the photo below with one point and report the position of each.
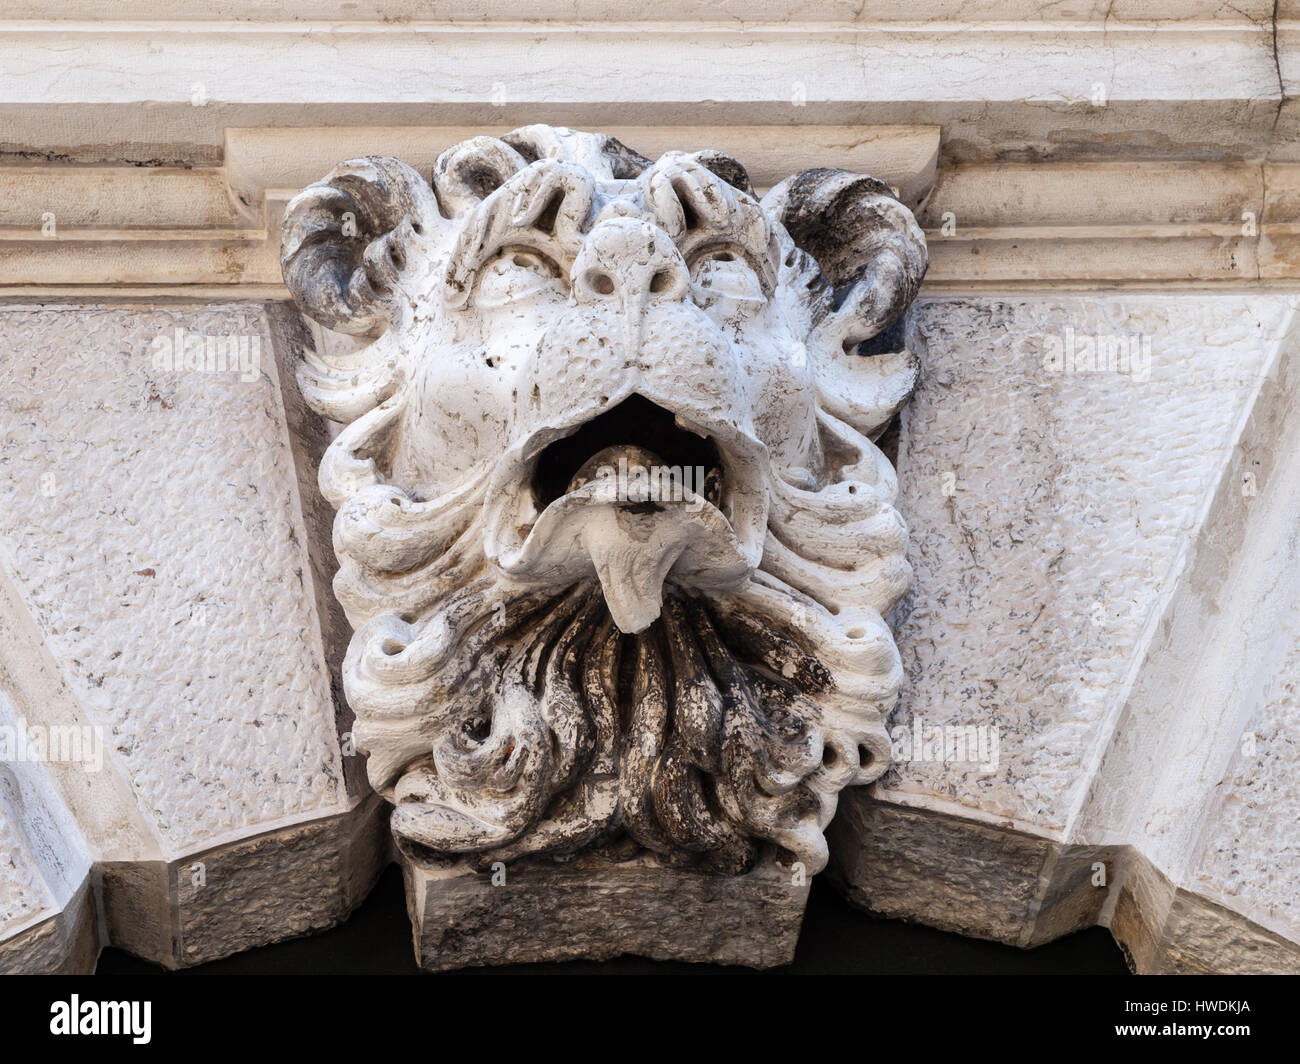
(635, 500)
(638, 434)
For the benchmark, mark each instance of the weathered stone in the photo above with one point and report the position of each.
(64, 944)
(1106, 564)
(613, 534)
(1104, 508)
(597, 909)
(155, 600)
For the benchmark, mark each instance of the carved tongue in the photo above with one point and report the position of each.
(630, 549)
(632, 573)
(632, 522)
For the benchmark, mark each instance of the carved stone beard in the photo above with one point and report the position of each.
(694, 738)
(504, 722)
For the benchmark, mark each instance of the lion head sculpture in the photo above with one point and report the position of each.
(612, 531)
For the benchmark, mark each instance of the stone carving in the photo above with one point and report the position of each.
(612, 531)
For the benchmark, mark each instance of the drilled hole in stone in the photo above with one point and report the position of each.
(601, 283)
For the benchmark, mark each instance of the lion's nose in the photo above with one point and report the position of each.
(631, 262)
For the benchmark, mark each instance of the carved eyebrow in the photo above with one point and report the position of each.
(548, 206)
(699, 209)
(545, 206)
(750, 243)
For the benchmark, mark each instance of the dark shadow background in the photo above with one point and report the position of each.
(836, 939)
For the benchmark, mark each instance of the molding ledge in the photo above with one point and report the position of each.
(1020, 888)
(178, 229)
(1162, 78)
(1096, 141)
(160, 231)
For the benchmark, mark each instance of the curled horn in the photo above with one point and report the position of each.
(869, 248)
(343, 248)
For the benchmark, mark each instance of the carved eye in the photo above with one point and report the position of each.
(724, 273)
(517, 274)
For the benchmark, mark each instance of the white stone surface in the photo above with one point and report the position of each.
(23, 893)
(150, 518)
(1053, 473)
(1024, 83)
(1250, 848)
(1200, 775)
(157, 591)
(64, 225)
(1049, 515)
(45, 915)
(1105, 571)
(1094, 581)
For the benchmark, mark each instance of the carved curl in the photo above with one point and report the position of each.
(869, 248)
(469, 172)
(345, 238)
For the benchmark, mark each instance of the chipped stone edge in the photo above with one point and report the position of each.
(1022, 889)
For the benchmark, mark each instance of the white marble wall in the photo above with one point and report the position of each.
(1061, 520)
(1097, 578)
(153, 541)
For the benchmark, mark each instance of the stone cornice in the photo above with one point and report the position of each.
(1140, 142)
(168, 229)
(735, 12)
(1172, 87)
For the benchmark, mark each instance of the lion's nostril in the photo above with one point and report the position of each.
(601, 283)
(661, 281)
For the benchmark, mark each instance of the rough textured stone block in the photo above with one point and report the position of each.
(157, 590)
(1104, 559)
(597, 909)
